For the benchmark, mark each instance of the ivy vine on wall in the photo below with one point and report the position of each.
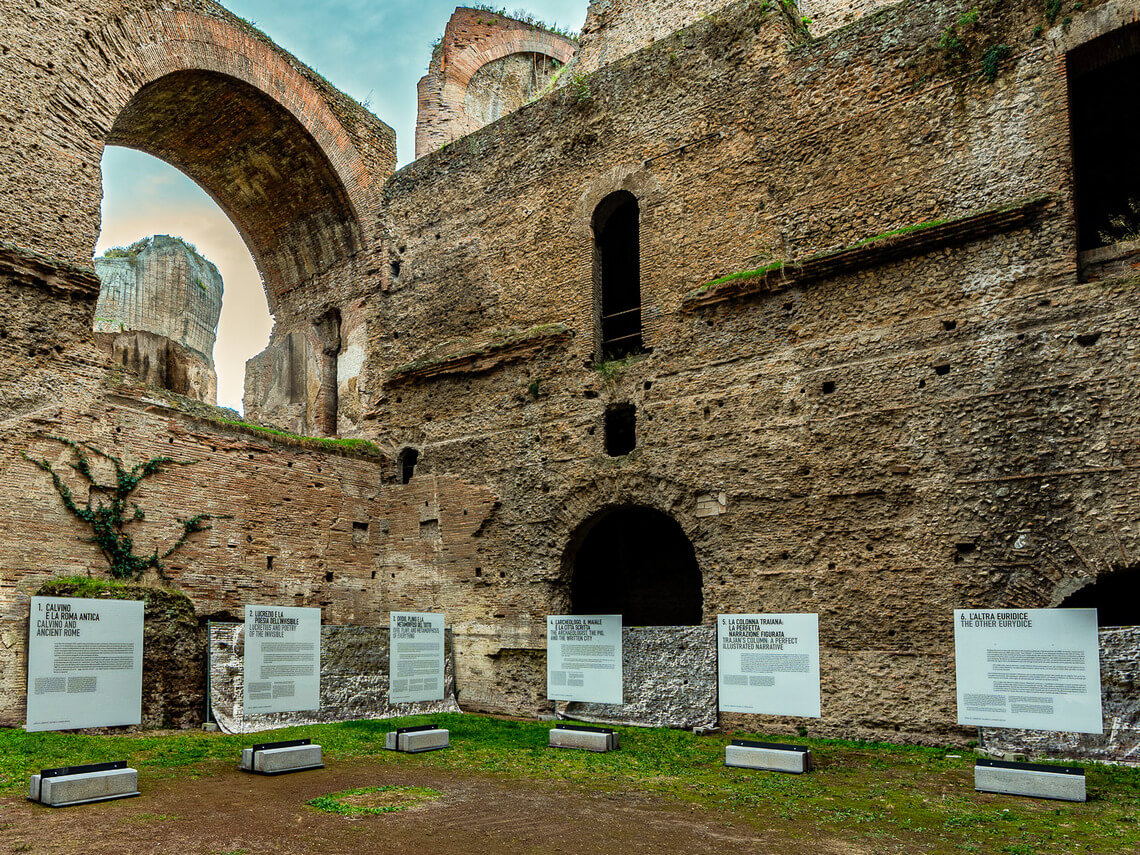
(109, 510)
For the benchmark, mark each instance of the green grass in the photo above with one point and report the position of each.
(391, 798)
(891, 798)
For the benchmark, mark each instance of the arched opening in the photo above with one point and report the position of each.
(273, 187)
(1115, 596)
(617, 275)
(145, 197)
(637, 562)
(1104, 104)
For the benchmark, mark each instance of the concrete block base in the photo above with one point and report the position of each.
(413, 740)
(278, 758)
(585, 738)
(768, 756)
(1039, 781)
(79, 785)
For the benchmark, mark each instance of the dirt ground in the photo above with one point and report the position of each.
(226, 812)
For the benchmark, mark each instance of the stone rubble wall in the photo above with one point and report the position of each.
(354, 680)
(1120, 702)
(669, 679)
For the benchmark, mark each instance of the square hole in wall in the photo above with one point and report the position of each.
(621, 429)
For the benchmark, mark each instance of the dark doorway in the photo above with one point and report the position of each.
(1104, 108)
(406, 464)
(1115, 596)
(617, 275)
(636, 562)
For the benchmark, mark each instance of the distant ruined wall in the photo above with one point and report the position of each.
(485, 66)
(161, 305)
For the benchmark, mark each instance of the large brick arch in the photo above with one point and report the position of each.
(292, 161)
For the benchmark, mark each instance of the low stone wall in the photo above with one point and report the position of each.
(1119, 679)
(354, 680)
(669, 680)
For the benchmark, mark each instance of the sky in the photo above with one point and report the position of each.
(376, 51)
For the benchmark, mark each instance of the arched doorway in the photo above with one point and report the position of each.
(1115, 596)
(634, 561)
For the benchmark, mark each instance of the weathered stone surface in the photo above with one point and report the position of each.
(485, 66)
(354, 680)
(669, 680)
(159, 304)
(950, 429)
(88, 787)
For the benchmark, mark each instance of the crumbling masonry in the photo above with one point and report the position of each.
(921, 397)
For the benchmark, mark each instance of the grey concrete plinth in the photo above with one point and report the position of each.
(769, 758)
(84, 788)
(1028, 779)
(415, 741)
(588, 740)
(275, 761)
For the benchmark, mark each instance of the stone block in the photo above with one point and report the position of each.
(768, 756)
(1065, 783)
(588, 739)
(84, 787)
(415, 741)
(276, 761)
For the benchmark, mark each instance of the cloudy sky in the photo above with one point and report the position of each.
(376, 51)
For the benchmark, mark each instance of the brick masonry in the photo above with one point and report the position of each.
(880, 444)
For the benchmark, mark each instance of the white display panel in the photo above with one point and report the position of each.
(282, 659)
(84, 663)
(583, 658)
(415, 660)
(1037, 669)
(768, 664)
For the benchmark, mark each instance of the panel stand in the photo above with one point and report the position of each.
(587, 738)
(80, 785)
(1036, 780)
(768, 756)
(414, 740)
(277, 758)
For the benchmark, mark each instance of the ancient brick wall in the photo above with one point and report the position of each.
(829, 15)
(878, 430)
(156, 76)
(485, 66)
(893, 438)
(292, 525)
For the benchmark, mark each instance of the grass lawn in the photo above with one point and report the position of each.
(917, 799)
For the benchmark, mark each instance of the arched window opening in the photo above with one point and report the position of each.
(1104, 103)
(1115, 596)
(636, 562)
(617, 276)
(406, 464)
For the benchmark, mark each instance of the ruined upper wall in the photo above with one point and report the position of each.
(485, 66)
(828, 15)
(164, 287)
(293, 162)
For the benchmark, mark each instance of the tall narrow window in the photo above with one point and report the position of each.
(1104, 103)
(617, 276)
(406, 464)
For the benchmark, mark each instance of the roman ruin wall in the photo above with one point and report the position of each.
(919, 400)
(893, 436)
(485, 66)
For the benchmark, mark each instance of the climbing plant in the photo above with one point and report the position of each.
(108, 509)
